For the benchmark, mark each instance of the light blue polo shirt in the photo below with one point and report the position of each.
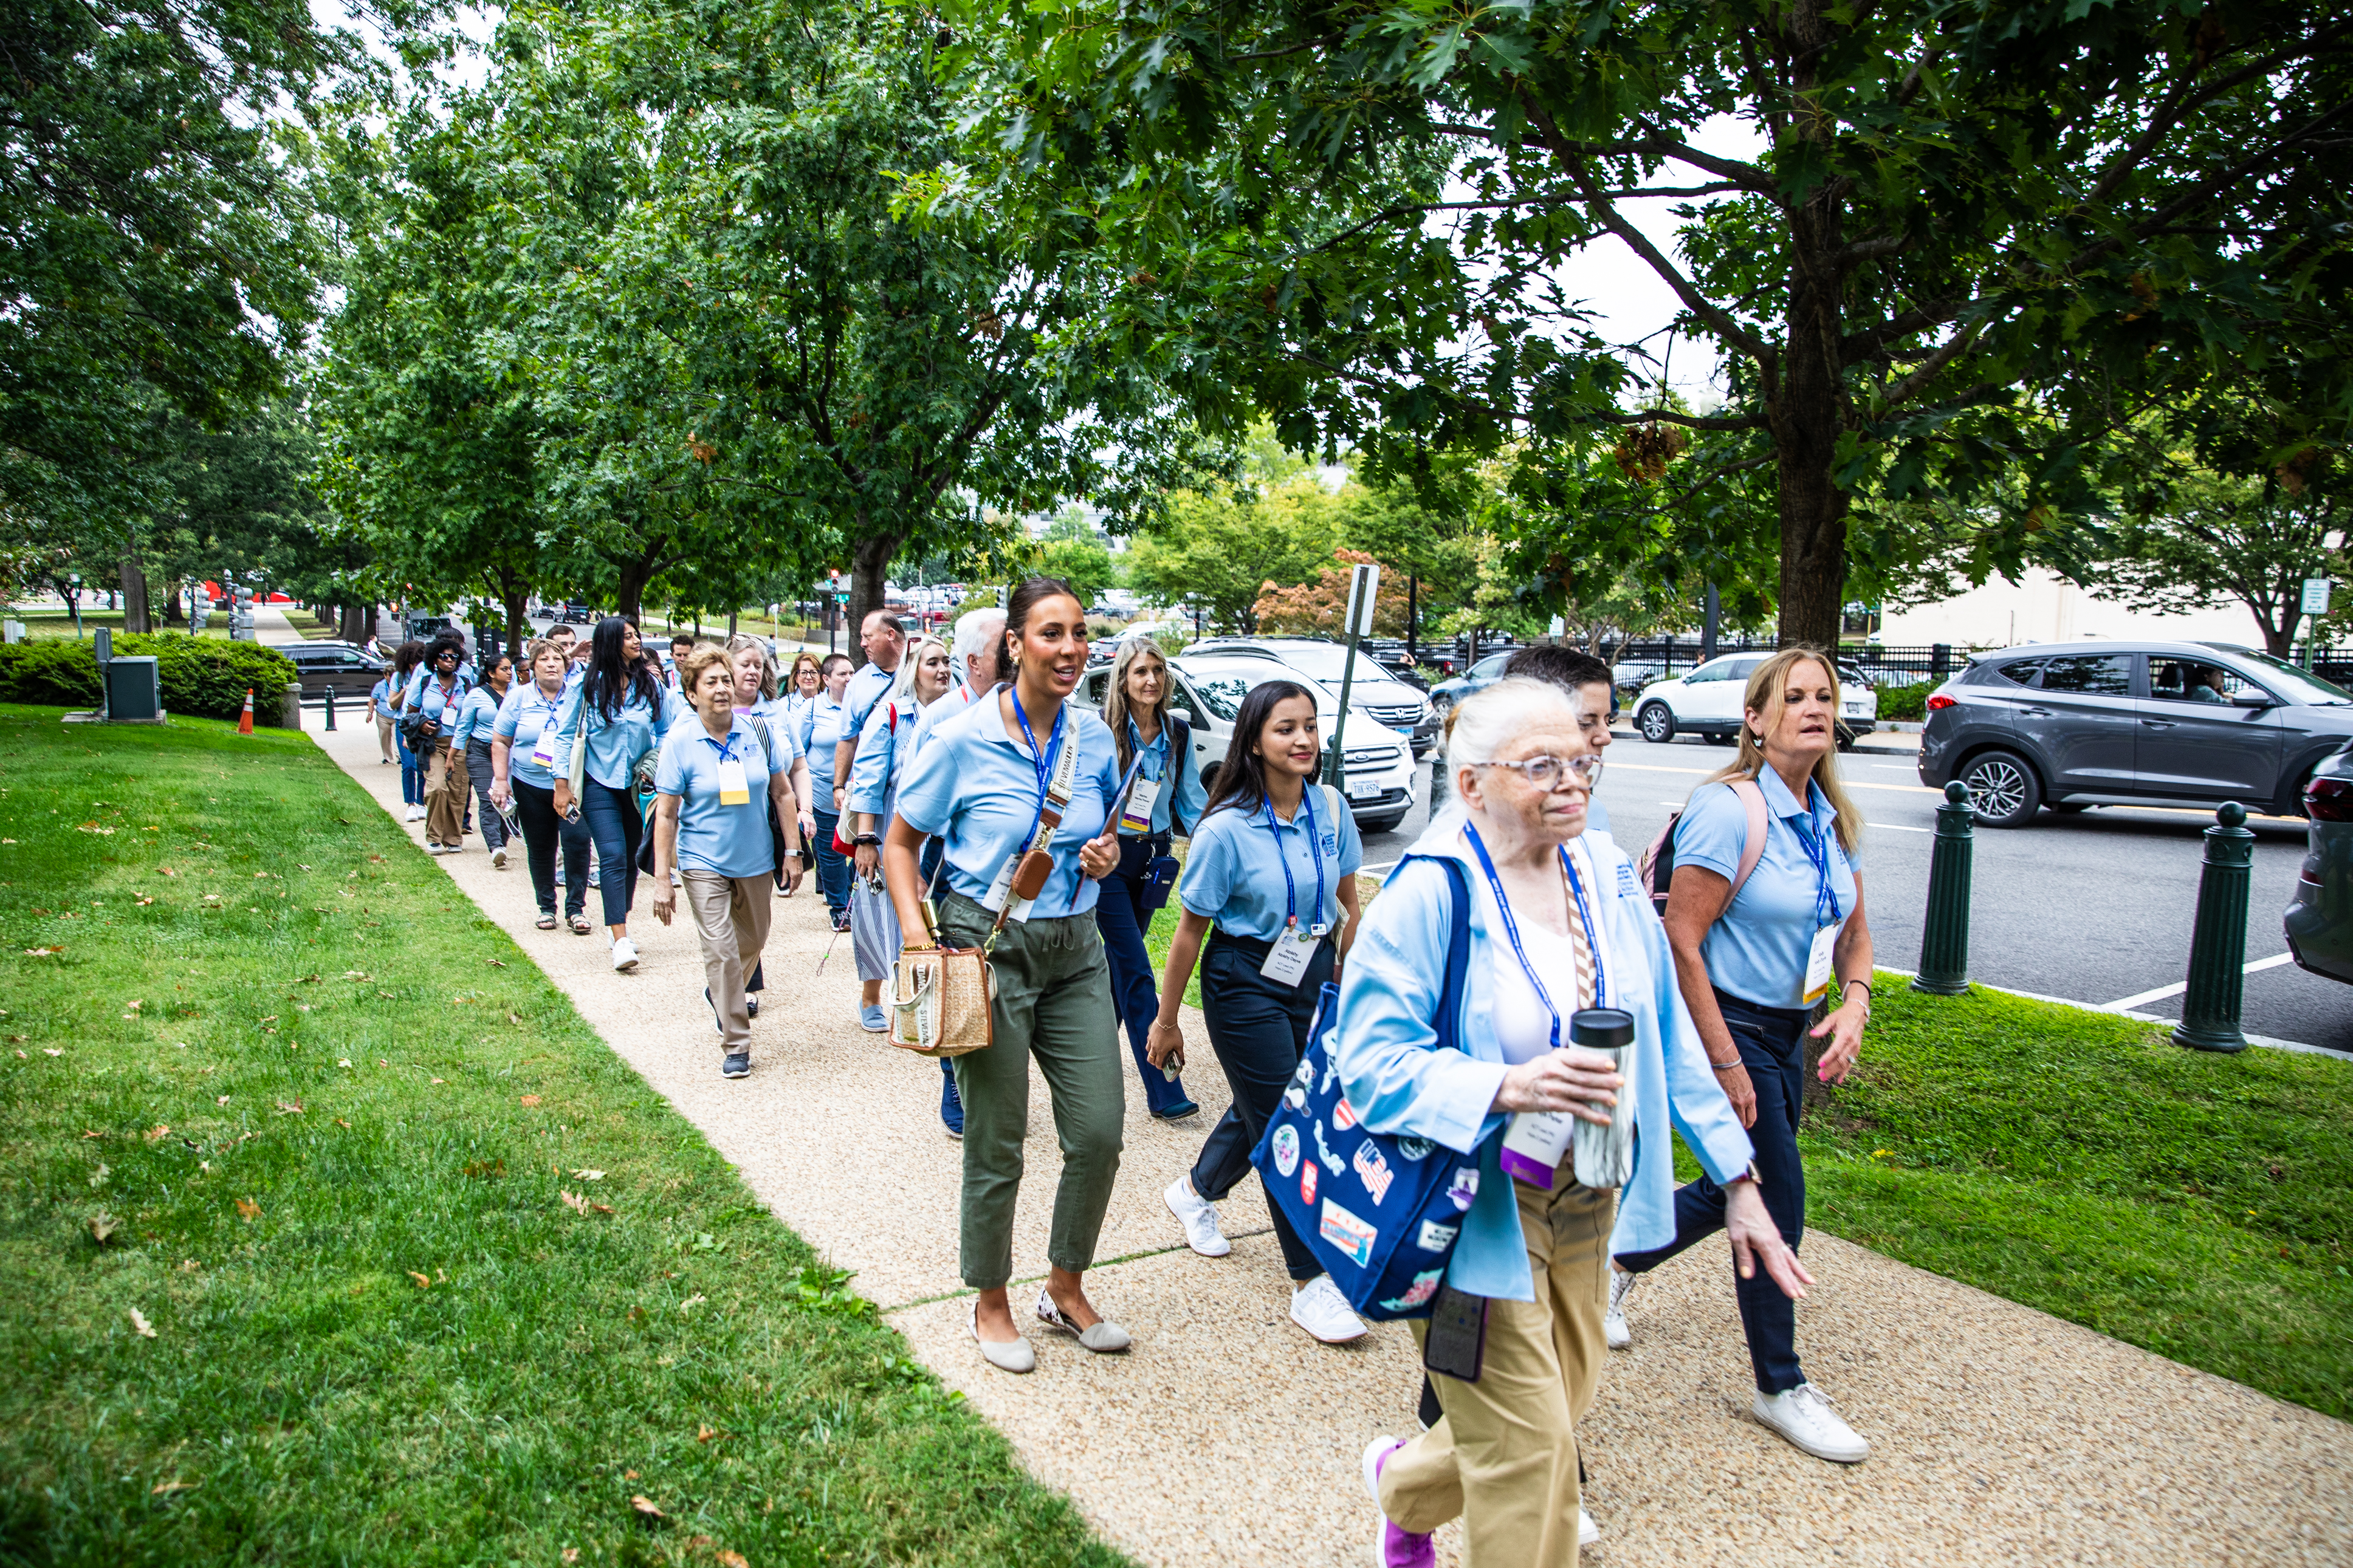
(782, 741)
(869, 683)
(424, 672)
(614, 744)
(821, 730)
(959, 698)
(1233, 872)
(883, 750)
(977, 787)
(426, 694)
(1187, 795)
(381, 698)
(730, 840)
(1757, 949)
(526, 712)
(475, 717)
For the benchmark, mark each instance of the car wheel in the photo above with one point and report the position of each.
(2003, 788)
(1657, 723)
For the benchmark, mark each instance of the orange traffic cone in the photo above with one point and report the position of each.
(245, 720)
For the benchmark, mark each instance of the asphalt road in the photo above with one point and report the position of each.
(2094, 908)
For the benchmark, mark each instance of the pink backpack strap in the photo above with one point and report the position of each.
(1752, 847)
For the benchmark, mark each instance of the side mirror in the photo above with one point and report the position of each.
(2256, 698)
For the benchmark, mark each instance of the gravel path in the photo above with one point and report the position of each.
(2001, 1435)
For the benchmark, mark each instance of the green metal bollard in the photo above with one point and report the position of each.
(1945, 934)
(331, 707)
(2218, 943)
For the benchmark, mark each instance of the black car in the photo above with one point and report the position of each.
(2074, 725)
(352, 671)
(2319, 920)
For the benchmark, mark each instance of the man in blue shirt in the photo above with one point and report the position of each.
(885, 645)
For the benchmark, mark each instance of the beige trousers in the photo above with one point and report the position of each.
(730, 916)
(1503, 1459)
(384, 738)
(446, 784)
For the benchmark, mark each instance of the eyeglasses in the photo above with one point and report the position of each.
(1555, 772)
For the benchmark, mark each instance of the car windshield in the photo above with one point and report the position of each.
(1325, 661)
(1223, 685)
(2299, 685)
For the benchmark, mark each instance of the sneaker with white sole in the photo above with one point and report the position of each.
(416, 814)
(1199, 1220)
(1587, 1533)
(1803, 1416)
(1613, 1322)
(499, 857)
(1396, 1547)
(1320, 1308)
(625, 955)
(735, 1064)
(870, 1018)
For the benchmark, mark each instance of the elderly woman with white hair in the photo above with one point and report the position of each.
(883, 751)
(1557, 924)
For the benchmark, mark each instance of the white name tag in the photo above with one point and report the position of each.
(733, 789)
(1002, 889)
(543, 751)
(1818, 963)
(1135, 816)
(1289, 955)
(449, 715)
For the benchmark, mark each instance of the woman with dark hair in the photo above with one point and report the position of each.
(1024, 778)
(1166, 799)
(618, 713)
(430, 713)
(471, 740)
(1274, 865)
(820, 733)
(522, 757)
(405, 660)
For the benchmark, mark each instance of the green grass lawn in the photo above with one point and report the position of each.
(293, 1276)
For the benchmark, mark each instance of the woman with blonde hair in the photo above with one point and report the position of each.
(1166, 798)
(1765, 915)
(923, 677)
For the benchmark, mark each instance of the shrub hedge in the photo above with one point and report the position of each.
(1905, 704)
(204, 678)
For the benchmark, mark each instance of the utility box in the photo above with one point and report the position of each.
(135, 692)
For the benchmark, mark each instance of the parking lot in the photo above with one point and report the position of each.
(2094, 908)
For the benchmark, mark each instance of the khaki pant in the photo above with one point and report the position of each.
(384, 738)
(730, 916)
(1503, 1459)
(446, 787)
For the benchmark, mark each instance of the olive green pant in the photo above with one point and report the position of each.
(1053, 1005)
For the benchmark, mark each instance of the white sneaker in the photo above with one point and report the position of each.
(1803, 1416)
(499, 857)
(1199, 1220)
(1587, 1533)
(625, 955)
(416, 814)
(1320, 1308)
(1613, 1322)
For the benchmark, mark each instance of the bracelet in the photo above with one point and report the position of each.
(865, 838)
(1727, 1066)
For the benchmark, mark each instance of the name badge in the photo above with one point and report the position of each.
(1002, 889)
(1135, 816)
(733, 789)
(543, 751)
(1818, 963)
(449, 715)
(1289, 955)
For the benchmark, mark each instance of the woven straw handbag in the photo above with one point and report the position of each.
(939, 1001)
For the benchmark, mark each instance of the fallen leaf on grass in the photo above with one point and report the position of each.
(629, 1474)
(697, 1299)
(144, 902)
(424, 1281)
(573, 1201)
(299, 864)
(51, 1051)
(590, 1176)
(167, 870)
(496, 962)
(438, 1081)
(645, 1506)
(530, 1099)
(572, 1554)
(157, 1134)
(344, 1061)
(704, 1432)
(246, 1208)
(343, 1124)
(353, 974)
(43, 952)
(86, 1133)
(103, 1225)
(161, 1488)
(290, 1108)
(375, 857)
(146, 1331)
(731, 1560)
(222, 1101)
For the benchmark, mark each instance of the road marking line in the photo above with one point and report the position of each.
(2178, 987)
(1702, 772)
(1897, 827)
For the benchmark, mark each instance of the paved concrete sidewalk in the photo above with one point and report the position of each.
(2002, 1435)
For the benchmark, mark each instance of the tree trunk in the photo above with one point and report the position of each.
(134, 598)
(1806, 407)
(631, 592)
(870, 567)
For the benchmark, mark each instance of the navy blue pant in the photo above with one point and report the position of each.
(1122, 917)
(1259, 1028)
(543, 833)
(832, 869)
(614, 825)
(1772, 1042)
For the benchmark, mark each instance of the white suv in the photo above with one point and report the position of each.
(1707, 702)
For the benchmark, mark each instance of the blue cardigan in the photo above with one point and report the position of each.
(1399, 1083)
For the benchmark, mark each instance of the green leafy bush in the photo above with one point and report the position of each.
(204, 678)
(1907, 704)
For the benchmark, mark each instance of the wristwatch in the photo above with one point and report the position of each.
(1750, 1175)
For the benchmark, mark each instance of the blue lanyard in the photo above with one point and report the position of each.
(1511, 929)
(1042, 760)
(726, 747)
(1819, 853)
(1315, 848)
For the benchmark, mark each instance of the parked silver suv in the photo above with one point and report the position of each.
(2073, 725)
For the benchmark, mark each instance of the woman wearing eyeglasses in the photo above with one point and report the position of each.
(1555, 923)
(1755, 960)
(522, 759)
(620, 712)
(1271, 883)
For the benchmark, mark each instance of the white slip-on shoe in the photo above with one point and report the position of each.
(499, 857)
(1613, 1322)
(1803, 1416)
(1019, 1355)
(1199, 1220)
(1320, 1308)
(1103, 1338)
(1587, 1533)
(625, 955)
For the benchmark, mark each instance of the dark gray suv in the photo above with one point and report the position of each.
(2072, 725)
